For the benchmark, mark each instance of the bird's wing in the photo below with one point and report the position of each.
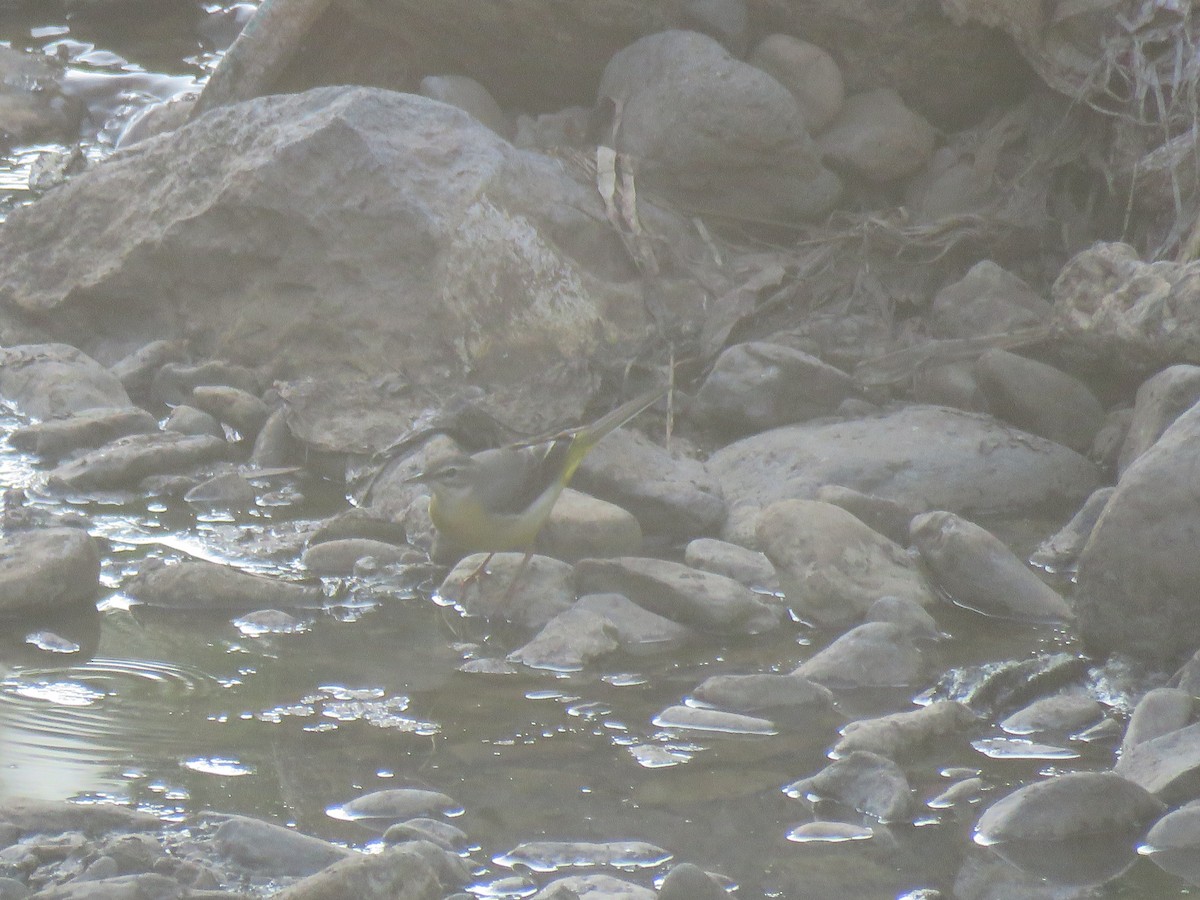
(512, 478)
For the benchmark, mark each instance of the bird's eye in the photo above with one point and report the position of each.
(450, 472)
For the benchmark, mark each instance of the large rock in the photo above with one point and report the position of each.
(432, 242)
(922, 457)
(1139, 573)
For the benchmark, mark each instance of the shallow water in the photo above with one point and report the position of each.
(179, 712)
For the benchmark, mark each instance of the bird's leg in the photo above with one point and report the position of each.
(508, 594)
(479, 572)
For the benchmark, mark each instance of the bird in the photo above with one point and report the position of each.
(497, 500)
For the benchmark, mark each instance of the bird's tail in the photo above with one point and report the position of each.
(586, 437)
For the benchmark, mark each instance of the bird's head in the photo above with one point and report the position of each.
(450, 477)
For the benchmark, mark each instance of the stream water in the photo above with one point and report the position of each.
(178, 712)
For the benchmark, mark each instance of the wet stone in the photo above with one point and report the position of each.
(136, 371)
(595, 885)
(549, 856)
(831, 565)
(445, 835)
(685, 595)
(545, 588)
(908, 614)
(1159, 712)
(1061, 550)
(899, 734)
(417, 869)
(229, 490)
(1167, 766)
(174, 382)
(874, 654)
(395, 805)
(274, 445)
(359, 523)
(90, 428)
(748, 693)
(241, 409)
(978, 571)
(687, 881)
(1068, 805)
(127, 461)
(338, 557)
(637, 629)
(999, 688)
(691, 718)
(1173, 843)
(1062, 714)
(146, 884)
(864, 781)
(47, 568)
(568, 642)
(185, 419)
(748, 567)
(47, 381)
(272, 849)
(200, 584)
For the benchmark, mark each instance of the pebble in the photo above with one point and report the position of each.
(1062, 714)
(1161, 399)
(877, 137)
(691, 597)
(750, 693)
(568, 642)
(1167, 765)
(759, 385)
(748, 567)
(186, 419)
(898, 735)
(1159, 712)
(871, 655)
(866, 782)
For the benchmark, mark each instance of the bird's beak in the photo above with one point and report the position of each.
(419, 478)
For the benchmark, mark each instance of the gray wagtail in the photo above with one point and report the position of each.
(498, 500)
